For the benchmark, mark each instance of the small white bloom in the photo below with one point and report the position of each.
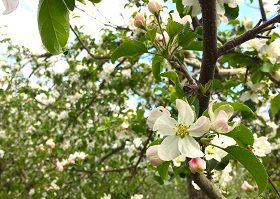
(50, 143)
(178, 160)
(10, 6)
(179, 140)
(261, 146)
(247, 187)
(137, 142)
(106, 196)
(2, 153)
(137, 196)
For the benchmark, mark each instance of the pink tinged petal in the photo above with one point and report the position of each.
(220, 124)
(155, 114)
(185, 112)
(10, 6)
(152, 154)
(165, 125)
(200, 127)
(189, 147)
(197, 165)
(168, 149)
(226, 108)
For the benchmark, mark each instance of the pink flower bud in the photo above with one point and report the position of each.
(139, 20)
(154, 7)
(197, 165)
(152, 154)
(247, 187)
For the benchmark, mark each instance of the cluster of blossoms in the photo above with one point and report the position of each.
(136, 196)
(71, 160)
(181, 136)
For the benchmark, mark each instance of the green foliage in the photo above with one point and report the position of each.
(129, 48)
(251, 163)
(275, 105)
(163, 170)
(231, 13)
(70, 4)
(173, 28)
(53, 23)
(242, 135)
(156, 66)
(172, 76)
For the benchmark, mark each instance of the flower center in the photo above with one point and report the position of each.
(210, 150)
(182, 130)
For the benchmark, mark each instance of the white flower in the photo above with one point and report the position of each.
(179, 140)
(31, 192)
(176, 17)
(10, 6)
(106, 196)
(155, 114)
(247, 187)
(261, 146)
(212, 152)
(137, 142)
(252, 94)
(178, 160)
(2, 153)
(50, 143)
(219, 118)
(271, 51)
(137, 196)
(63, 115)
(60, 165)
(152, 154)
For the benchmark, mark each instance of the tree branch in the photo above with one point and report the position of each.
(250, 34)
(262, 10)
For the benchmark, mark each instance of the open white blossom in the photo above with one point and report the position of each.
(155, 114)
(212, 152)
(271, 52)
(2, 153)
(178, 161)
(261, 146)
(252, 93)
(10, 6)
(106, 196)
(179, 140)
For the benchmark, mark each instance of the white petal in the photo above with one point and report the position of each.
(155, 114)
(200, 127)
(189, 147)
(168, 149)
(10, 6)
(210, 111)
(227, 108)
(185, 112)
(165, 125)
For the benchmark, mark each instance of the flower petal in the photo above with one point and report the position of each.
(155, 114)
(165, 125)
(189, 147)
(227, 108)
(10, 6)
(185, 112)
(200, 127)
(168, 149)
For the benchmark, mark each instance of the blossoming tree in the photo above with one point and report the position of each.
(171, 99)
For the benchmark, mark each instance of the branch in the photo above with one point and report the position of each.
(250, 34)
(114, 151)
(262, 10)
(209, 57)
(84, 47)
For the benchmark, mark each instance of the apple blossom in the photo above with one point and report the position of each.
(252, 94)
(261, 146)
(139, 20)
(247, 187)
(152, 154)
(137, 196)
(276, 74)
(10, 6)
(179, 140)
(219, 118)
(178, 161)
(197, 165)
(212, 152)
(155, 114)
(50, 143)
(2, 153)
(154, 7)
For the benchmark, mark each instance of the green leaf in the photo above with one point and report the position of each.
(156, 66)
(70, 4)
(251, 163)
(267, 67)
(129, 48)
(242, 135)
(275, 105)
(95, 1)
(172, 76)
(53, 23)
(151, 34)
(231, 13)
(195, 45)
(163, 170)
(236, 106)
(186, 38)
(173, 28)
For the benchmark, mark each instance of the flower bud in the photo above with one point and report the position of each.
(247, 187)
(197, 165)
(139, 20)
(152, 154)
(220, 124)
(154, 7)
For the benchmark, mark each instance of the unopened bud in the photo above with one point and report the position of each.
(154, 7)
(197, 165)
(152, 154)
(139, 20)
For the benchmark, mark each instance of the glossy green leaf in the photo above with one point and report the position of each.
(70, 4)
(163, 170)
(186, 38)
(156, 66)
(231, 13)
(195, 45)
(151, 34)
(242, 135)
(251, 163)
(173, 28)
(172, 76)
(267, 67)
(53, 23)
(129, 48)
(275, 105)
